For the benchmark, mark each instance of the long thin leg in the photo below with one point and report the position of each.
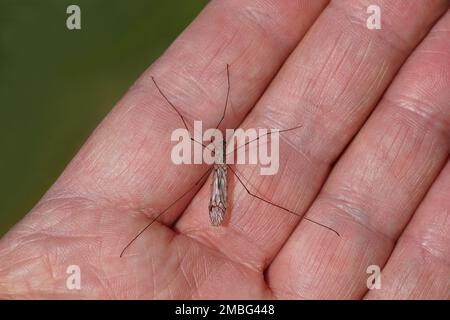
(257, 138)
(181, 116)
(178, 112)
(274, 204)
(226, 100)
(165, 210)
(170, 103)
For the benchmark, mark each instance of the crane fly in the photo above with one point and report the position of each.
(219, 186)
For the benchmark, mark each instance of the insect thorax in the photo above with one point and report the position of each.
(220, 155)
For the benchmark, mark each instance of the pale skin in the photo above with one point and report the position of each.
(371, 161)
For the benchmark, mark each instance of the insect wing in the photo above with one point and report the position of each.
(218, 199)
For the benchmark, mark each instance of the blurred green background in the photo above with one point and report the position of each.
(57, 84)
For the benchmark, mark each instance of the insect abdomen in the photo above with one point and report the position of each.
(218, 200)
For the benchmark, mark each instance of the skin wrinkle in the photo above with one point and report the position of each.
(177, 92)
(313, 156)
(242, 55)
(152, 208)
(13, 270)
(154, 267)
(196, 282)
(206, 271)
(300, 153)
(42, 235)
(176, 266)
(220, 50)
(126, 165)
(314, 78)
(437, 255)
(254, 23)
(262, 13)
(149, 91)
(252, 264)
(61, 207)
(389, 152)
(390, 35)
(436, 232)
(202, 239)
(418, 180)
(196, 285)
(410, 154)
(291, 291)
(425, 113)
(360, 64)
(182, 258)
(152, 263)
(410, 278)
(112, 291)
(181, 93)
(374, 86)
(45, 258)
(257, 17)
(405, 278)
(391, 161)
(332, 73)
(368, 172)
(317, 266)
(201, 277)
(343, 207)
(402, 172)
(436, 52)
(108, 290)
(251, 186)
(221, 256)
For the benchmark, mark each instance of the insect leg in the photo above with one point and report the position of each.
(226, 100)
(274, 204)
(257, 138)
(177, 111)
(205, 174)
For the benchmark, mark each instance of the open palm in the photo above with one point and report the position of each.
(371, 161)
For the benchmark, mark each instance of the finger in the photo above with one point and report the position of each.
(419, 266)
(377, 184)
(329, 85)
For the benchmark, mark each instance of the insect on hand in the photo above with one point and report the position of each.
(219, 186)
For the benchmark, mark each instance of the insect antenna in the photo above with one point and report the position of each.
(274, 204)
(205, 174)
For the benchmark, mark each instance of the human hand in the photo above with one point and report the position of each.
(381, 178)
